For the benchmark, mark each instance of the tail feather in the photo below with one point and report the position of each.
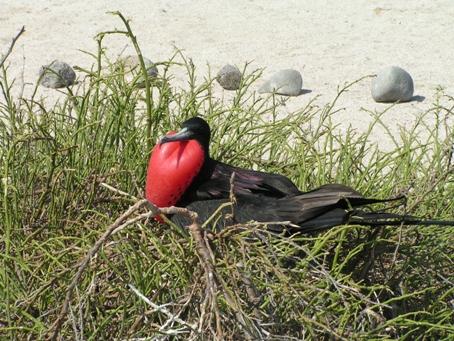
(391, 219)
(341, 216)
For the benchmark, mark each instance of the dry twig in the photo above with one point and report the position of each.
(55, 328)
(117, 191)
(161, 309)
(196, 232)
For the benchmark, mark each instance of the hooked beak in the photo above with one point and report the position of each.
(183, 135)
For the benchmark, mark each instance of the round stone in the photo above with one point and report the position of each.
(131, 68)
(392, 84)
(56, 75)
(285, 82)
(229, 77)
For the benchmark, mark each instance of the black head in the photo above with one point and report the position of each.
(195, 128)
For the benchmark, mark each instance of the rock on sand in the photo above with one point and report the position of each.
(392, 84)
(229, 77)
(131, 68)
(286, 82)
(56, 75)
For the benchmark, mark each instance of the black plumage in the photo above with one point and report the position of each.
(271, 198)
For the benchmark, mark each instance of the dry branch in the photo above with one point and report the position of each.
(121, 223)
(161, 308)
(55, 328)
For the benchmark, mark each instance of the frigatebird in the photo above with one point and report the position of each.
(182, 173)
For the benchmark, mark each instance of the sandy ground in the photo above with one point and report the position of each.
(330, 43)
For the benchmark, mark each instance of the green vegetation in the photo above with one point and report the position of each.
(347, 283)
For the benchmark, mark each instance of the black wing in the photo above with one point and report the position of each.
(213, 182)
(322, 208)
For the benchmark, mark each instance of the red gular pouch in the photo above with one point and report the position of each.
(171, 169)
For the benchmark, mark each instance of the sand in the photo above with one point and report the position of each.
(330, 43)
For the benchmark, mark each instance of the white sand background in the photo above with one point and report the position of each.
(329, 42)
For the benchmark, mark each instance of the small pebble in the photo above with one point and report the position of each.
(392, 84)
(229, 77)
(56, 75)
(131, 67)
(285, 82)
